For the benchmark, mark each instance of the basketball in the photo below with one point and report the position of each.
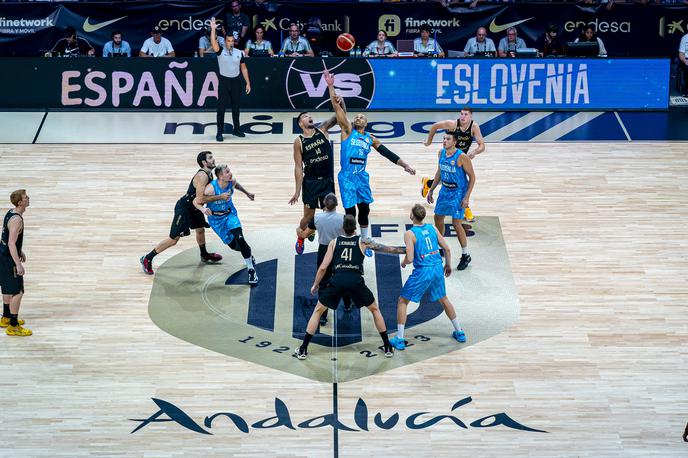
(345, 42)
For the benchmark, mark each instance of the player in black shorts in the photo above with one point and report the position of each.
(11, 267)
(346, 253)
(313, 167)
(187, 217)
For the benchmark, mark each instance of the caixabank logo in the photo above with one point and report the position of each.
(212, 306)
(306, 88)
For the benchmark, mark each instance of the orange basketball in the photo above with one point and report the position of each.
(345, 42)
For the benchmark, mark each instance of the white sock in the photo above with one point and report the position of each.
(400, 331)
(464, 250)
(364, 232)
(455, 323)
(249, 263)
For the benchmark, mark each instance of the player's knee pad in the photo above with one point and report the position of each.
(363, 212)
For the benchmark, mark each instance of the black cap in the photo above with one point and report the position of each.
(156, 29)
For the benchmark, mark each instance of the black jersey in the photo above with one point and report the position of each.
(465, 138)
(316, 154)
(5, 240)
(191, 191)
(347, 256)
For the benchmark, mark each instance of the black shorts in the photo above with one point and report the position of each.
(10, 282)
(346, 284)
(186, 217)
(314, 191)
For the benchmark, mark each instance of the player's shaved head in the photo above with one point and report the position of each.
(349, 225)
(330, 201)
(418, 212)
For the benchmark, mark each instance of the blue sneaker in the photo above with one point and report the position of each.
(369, 252)
(398, 343)
(299, 246)
(459, 335)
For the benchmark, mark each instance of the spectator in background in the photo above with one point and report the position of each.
(259, 47)
(236, 23)
(295, 45)
(426, 46)
(683, 64)
(588, 35)
(72, 45)
(548, 43)
(116, 47)
(480, 45)
(157, 45)
(380, 47)
(509, 44)
(205, 49)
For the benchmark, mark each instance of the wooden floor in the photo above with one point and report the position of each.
(597, 239)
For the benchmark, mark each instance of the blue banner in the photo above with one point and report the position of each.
(528, 84)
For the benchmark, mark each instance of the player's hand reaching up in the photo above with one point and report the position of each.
(213, 24)
(329, 78)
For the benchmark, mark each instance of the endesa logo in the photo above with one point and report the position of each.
(353, 79)
(188, 23)
(600, 26)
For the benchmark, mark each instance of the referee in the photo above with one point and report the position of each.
(230, 62)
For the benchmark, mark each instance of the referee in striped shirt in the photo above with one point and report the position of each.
(230, 62)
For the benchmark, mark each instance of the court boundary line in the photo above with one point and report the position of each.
(45, 115)
(623, 127)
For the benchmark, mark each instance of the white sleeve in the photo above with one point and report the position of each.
(683, 46)
(490, 45)
(145, 48)
(168, 46)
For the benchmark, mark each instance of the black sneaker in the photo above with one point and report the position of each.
(301, 353)
(238, 133)
(465, 260)
(252, 277)
(219, 138)
(389, 351)
(146, 265)
(211, 257)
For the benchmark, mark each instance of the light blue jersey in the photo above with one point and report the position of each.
(426, 250)
(454, 185)
(428, 272)
(354, 181)
(224, 217)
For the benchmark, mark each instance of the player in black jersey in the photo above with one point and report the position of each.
(466, 130)
(346, 254)
(313, 167)
(187, 217)
(11, 267)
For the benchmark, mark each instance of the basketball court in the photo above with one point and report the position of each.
(574, 304)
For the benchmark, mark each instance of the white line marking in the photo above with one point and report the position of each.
(616, 113)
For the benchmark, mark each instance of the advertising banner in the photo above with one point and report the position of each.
(374, 84)
(628, 30)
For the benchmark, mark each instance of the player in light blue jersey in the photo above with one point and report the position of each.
(223, 217)
(455, 174)
(354, 181)
(423, 242)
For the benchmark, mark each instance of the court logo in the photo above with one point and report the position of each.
(390, 23)
(212, 306)
(306, 87)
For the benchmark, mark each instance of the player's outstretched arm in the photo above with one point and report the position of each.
(339, 112)
(199, 201)
(323, 267)
(376, 246)
(332, 121)
(385, 152)
(298, 171)
(479, 140)
(238, 187)
(213, 35)
(447, 124)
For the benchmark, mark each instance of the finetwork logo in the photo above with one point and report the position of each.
(24, 25)
(390, 23)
